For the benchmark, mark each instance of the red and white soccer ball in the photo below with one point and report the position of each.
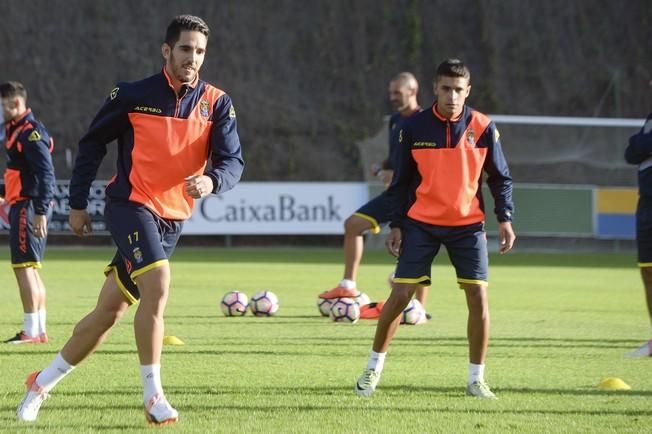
(324, 305)
(234, 303)
(264, 303)
(345, 310)
(414, 313)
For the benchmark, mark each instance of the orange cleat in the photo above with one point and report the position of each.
(371, 310)
(340, 292)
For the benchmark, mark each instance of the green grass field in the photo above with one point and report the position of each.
(561, 323)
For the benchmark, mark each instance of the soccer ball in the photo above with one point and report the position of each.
(234, 303)
(324, 306)
(264, 303)
(362, 299)
(345, 310)
(414, 313)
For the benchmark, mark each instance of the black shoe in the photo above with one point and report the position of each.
(22, 338)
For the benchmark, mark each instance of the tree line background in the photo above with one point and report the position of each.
(309, 79)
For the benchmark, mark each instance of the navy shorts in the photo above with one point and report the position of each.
(26, 249)
(144, 241)
(376, 211)
(466, 246)
(644, 231)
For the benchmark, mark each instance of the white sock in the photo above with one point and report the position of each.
(50, 376)
(347, 283)
(30, 324)
(41, 321)
(376, 361)
(476, 373)
(151, 376)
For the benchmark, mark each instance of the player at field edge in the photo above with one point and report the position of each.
(438, 200)
(167, 127)
(403, 92)
(29, 189)
(639, 151)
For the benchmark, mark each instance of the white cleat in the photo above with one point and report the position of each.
(644, 350)
(480, 390)
(30, 405)
(158, 411)
(367, 382)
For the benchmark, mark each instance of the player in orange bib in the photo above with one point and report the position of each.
(29, 190)
(168, 127)
(437, 198)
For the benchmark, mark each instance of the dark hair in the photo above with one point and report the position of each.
(182, 23)
(12, 89)
(453, 68)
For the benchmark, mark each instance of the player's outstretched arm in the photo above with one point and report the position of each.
(109, 123)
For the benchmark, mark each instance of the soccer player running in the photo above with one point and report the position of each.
(438, 197)
(29, 189)
(403, 91)
(639, 151)
(167, 127)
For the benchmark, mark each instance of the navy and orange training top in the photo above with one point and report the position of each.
(30, 172)
(439, 177)
(162, 139)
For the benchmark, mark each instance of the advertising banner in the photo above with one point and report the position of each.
(59, 221)
(251, 208)
(283, 208)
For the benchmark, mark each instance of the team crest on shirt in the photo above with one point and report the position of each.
(400, 136)
(35, 136)
(232, 112)
(114, 93)
(470, 136)
(203, 108)
(138, 255)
